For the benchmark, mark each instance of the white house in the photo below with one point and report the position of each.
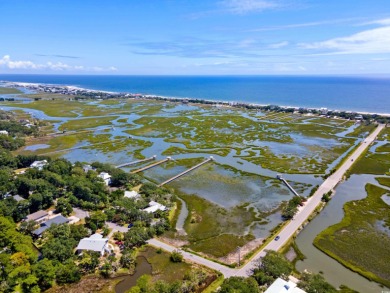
(282, 286)
(95, 242)
(154, 207)
(131, 194)
(106, 177)
(39, 164)
(4, 132)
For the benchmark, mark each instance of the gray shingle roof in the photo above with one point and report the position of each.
(46, 225)
(36, 215)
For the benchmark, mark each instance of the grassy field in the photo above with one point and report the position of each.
(208, 224)
(81, 124)
(384, 181)
(163, 268)
(7, 90)
(361, 240)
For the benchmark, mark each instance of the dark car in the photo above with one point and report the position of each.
(130, 225)
(277, 238)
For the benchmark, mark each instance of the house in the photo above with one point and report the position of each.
(154, 207)
(106, 177)
(131, 194)
(38, 164)
(87, 168)
(95, 242)
(18, 198)
(282, 286)
(3, 132)
(47, 224)
(38, 216)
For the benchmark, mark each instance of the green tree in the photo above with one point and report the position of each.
(275, 265)
(176, 256)
(239, 285)
(68, 273)
(63, 206)
(45, 271)
(315, 283)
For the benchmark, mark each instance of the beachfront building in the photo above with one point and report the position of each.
(106, 177)
(154, 207)
(282, 286)
(95, 242)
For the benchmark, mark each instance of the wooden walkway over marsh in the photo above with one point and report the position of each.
(151, 165)
(136, 162)
(287, 184)
(186, 171)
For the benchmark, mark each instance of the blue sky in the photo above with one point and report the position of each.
(197, 37)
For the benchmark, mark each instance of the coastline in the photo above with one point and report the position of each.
(74, 90)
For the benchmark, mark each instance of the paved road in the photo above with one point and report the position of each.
(227, 272)
(289, 230)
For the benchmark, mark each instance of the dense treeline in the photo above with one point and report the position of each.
(63, 186)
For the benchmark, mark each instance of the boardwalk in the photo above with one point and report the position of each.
(150, 166)
(136, 162)
(293, 226)
(186, 171)
(287, 184)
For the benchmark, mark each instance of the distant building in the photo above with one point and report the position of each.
(106, 177)
(3, 132)
(38, 216)
(154, 207)
(95, 242)
(39, 164)
(47, 224)
(324, 111)
(131, 194)
(282, 286)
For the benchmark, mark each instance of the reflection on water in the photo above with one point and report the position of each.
(142, 268)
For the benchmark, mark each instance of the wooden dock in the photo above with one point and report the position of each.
(185, 172)
(151, 165)
(287, 184)
(136, 162)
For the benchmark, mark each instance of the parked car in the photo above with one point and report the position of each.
(277, 238)
(130, 225)
(119, 243)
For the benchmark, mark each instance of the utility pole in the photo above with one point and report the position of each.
(239, 256)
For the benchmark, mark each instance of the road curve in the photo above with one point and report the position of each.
(289, 230)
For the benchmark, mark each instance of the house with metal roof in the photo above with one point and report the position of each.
(58, 220)
(95, 242)
(38, 164)
(154, 207)
(131, 194)
(18, 198)
(106, 177)
(282, 286)
(38, 216)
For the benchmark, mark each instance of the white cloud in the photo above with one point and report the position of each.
(279, 45)
(366, 42)
(7, 62)
(385, 21)
(247, 6)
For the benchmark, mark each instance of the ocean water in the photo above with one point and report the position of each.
(364, 94)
